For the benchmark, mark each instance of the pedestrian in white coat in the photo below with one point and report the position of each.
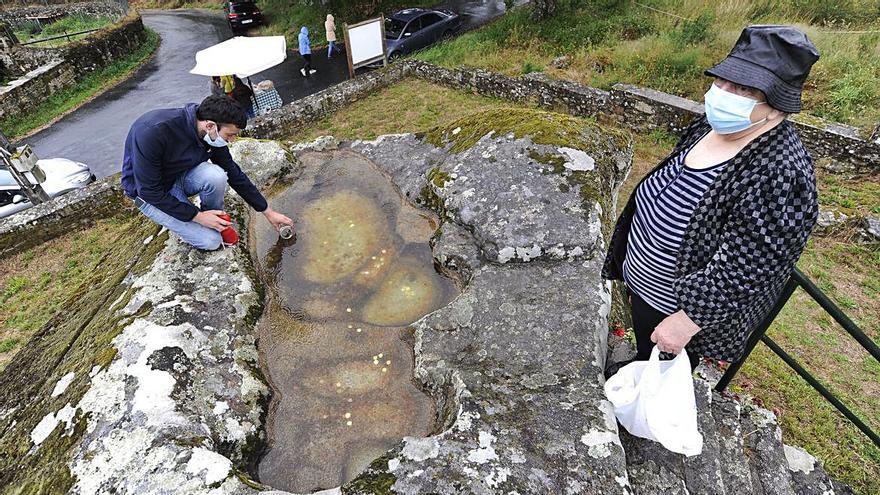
(330, 28)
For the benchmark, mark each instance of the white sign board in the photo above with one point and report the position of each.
(365, 42)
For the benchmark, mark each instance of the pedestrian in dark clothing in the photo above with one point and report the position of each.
(709, 237)
(242, 93)
(305, 49)
(175, 153)
(216, 86)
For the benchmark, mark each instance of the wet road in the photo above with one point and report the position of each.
(95, 133)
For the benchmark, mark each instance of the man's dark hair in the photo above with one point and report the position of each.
(222, 110)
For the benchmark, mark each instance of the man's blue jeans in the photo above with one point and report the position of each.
(209, 182)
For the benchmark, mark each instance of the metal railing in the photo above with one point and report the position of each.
(65, 35)
(798, 279)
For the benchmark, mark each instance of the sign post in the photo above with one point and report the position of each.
(19, 163)
(365, 43)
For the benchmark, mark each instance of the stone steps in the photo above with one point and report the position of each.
(743, 454)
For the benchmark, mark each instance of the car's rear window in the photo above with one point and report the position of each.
(242, 8)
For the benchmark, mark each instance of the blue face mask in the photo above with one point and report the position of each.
(217, 143)
(727, 112)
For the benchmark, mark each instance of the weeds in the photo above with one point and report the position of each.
(70, 24)
(611, 42)
(8, 345)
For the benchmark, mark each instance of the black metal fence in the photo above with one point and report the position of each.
(65, 35)
(798, 279)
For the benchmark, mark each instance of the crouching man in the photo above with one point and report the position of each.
(166, 161)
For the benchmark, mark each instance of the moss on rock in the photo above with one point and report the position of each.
(375, 480)
(75, 340)
(611, 147)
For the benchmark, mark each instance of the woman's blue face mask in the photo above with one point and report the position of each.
(728, 113)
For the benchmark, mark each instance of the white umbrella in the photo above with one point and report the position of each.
(242, 56)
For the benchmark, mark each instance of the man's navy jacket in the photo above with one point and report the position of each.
(161, 147)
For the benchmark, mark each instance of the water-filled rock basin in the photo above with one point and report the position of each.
(333, 338)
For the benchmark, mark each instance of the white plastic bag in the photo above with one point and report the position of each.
(655, 400)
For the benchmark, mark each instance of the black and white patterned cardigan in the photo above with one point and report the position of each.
(743, 240)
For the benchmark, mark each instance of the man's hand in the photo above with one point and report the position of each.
(674, 332)
(212, 220)
(277, 219)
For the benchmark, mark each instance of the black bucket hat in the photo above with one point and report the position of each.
(774, 59)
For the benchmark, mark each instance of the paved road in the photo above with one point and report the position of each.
(95, 133)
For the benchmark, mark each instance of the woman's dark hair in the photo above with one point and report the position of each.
(222, 110)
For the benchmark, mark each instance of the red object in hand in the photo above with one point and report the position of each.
(229, 235)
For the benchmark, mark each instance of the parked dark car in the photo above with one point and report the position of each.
(413, 29)
(242, 15)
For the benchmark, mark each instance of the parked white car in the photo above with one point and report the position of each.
(62, 176)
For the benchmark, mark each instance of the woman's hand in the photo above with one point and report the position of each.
(277, 219)
(674, 332)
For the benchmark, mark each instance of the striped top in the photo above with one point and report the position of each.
(665, 202)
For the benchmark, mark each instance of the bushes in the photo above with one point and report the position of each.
(694, 31)
(616, 41)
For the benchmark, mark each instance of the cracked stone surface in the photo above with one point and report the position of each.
(515, 361)
(153, 387)
(153, 418)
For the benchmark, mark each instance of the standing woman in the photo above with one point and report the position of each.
(330, 28)
(709, 237)
(305, 49)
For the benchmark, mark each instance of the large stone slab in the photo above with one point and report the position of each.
(515, 362)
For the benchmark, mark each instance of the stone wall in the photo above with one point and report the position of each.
(639, 109)
(65, 214)
(47, 71)
(15, 61)
(102, 48)
(307, 110)
(31, 89)
(15, 16)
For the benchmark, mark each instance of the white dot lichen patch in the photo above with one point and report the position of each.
(599, 442)
(486, 452)
(578, 160)
(420, 449)
(62, 384)
(215, 466)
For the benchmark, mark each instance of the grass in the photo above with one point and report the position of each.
(35, 284)
(419, 106)
(70, 24)
(17, 126)
(608, 42)
(179, 4)
(852, 196)
(849, 273)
